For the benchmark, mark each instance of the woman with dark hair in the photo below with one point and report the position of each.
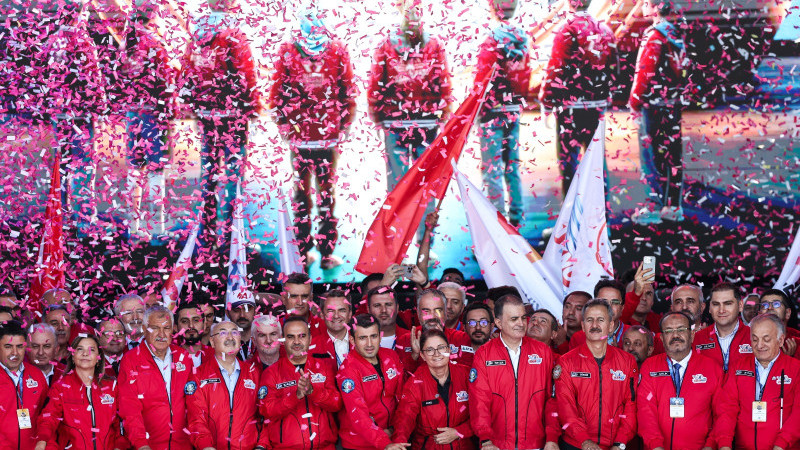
(434, 403)
(83, 403)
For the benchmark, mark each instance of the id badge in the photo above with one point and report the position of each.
(759, 411)
(676, 410)
(24, 419)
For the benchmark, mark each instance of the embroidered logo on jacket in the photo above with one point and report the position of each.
(617, 375)
(391, 373)
(348, 385)
(249, 384)
(698, 378)
(107, 399)
(462, 396)
(745, 348)
(318, 378)
(190, 388)
(473, 375)
(534, 359)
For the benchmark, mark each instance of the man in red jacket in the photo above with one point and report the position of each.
(657, 93)
(371, 382)
(761, 398)
(333, 342)
(571, 319)
(381, 304)
(511, 386)
(478, 325)
(222, 381)
(299, 396)
(776, 302)
(41, 351)
(507, 47)
(23, 390)
(577, 85)
(678, 397)
(152, 379)
(267, 334)
(595, 387)
(728, 340)
(313, 96)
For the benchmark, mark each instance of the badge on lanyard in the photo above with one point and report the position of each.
(24, 419)
(676, 407)
(759, 411)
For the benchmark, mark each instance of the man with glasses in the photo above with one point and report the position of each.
(679, 393)
(219, 382)
(478, 324)
(189, 331)
(776, 302)
(508, 372)
(111, 334)
(130, 309)
(729, 339)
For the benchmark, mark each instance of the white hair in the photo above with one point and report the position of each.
(454, 286)
(766, 317)
(124, 298)
(41, 328)
(215, 326)
(157, 310)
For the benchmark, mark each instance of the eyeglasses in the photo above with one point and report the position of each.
(137, 311)
(616, 302)
(669, 331)
(228, 333)
(775, 304)
(430, 351)
(110, 334)
(474, 323)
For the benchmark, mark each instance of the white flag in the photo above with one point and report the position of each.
(505, 257)
(579, 252)
(174, 285)
(791, 269)
(287, 248)
(237, 289)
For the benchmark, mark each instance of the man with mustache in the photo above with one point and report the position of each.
(595, 387)
(189, 331)
(571, 319)
(456, 300)
(41, 351)
(130, 309)
(242, 313)
(638, 341)
(729, 339)
(152, 381)
(613, 292)
(382, 305)
(510, 386)
(478, 324)
(371, 382)
(542, 326)
(761, 399)
(678, 397)
(431, 313)
(689, 299)
(267, 336)
(221, 381)
(334, 343)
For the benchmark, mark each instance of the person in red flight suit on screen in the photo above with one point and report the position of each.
(728, 340)
(313, 97)
(577, 85)
(761, 398)
(658, 88)
(152, 381)
(434, 404)
(222, 380)
(511, 386)
(23, 390)
(595, 387)
(371, 382)
(678, 398)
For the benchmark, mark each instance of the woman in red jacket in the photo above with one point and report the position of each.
(434, 402)
(83, 403)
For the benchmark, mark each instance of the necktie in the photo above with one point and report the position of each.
(676, 377)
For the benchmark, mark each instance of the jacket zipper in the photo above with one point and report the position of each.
(169, 394)
(308, 418)
(600, 405)
(94, 423)
(230, 403)
(516, 398)
(447, 410)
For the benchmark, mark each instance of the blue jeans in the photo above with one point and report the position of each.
(147, 139)
(661, 153)
(74, 138)
(500, 155)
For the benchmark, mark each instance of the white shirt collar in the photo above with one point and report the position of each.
(515, 350)
(730, 336)
(684, 362)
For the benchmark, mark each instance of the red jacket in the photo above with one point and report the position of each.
(422, 412)
(213, 422)
(292, 423)
(652, 321)
(511, 410)
(512, 80)
(69, 412)
(737, 406)
(408, 83)
(458, 340)
(707, 343)
(314, 98)
(659, 70)
(369, 398)
(582, 65)
(149, 416)
(322, 347)
(597, 403)
(700, 388)
(34, 395)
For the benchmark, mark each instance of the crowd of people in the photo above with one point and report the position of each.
(351, 370)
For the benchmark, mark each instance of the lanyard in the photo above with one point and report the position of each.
(760, 387)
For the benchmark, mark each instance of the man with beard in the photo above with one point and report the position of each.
(41, 351)
(689, 299)
(111, 334)
(242, 314)
(266, 336)
(382, 305)
(508, 372)
(643, 313)
(776, 302)
(224, 380)
(189, 331)
(571, 317)
(298, 395)
(750, 307)
(431, 314)
(638, 341)
(542, 326)
(334, 343)
(456, 300)
(130, 309)
(297, 296)
(59, 318)
(371, 382)
(760, 401)
(729, 339)
(678, 395)
(478, 323)
(595, 386)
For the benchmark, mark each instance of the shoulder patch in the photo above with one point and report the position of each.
(473, 375)
(262, 392)
(557, 372)
(190, 388)
(348, 385)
